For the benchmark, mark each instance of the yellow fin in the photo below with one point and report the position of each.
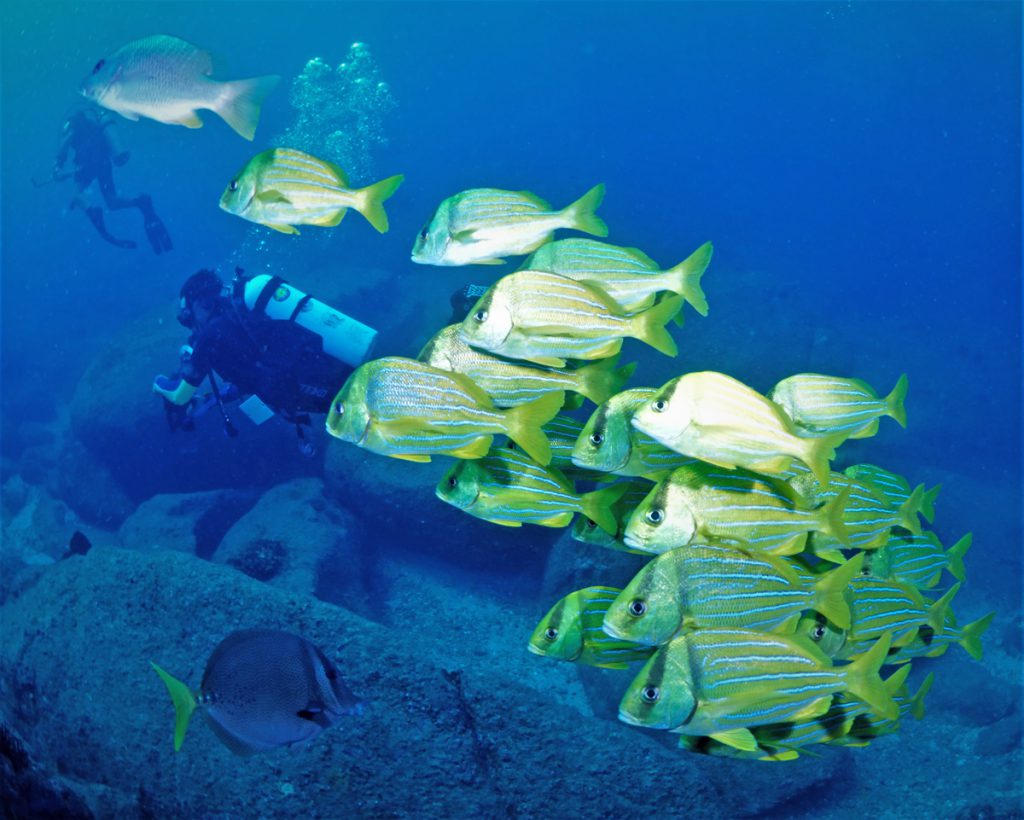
(184, 704)
(370, 201)
(281, 228)
(523, 425)
(742, 739)
(190, 120)
(581, 214)
(560, 520)
(689, 273)
(331, 220)
(271, 195)
(417, 457)
(475, 449)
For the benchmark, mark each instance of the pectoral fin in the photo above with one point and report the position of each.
(272, 195)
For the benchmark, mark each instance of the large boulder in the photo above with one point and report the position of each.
(449, 727)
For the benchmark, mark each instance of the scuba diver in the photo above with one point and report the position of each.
(463, 299)
(88, 133)
(288, 352)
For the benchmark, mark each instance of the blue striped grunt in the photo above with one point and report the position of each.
(546, 318)
(571, 631)
(586, 530)
(701, 503)
(716, 586)
(722, 682)
(410, 410)
(610, 443)
(507, 487)
(482, 225)
(627, 275)
(509, 383)
(828, 637)
(929, 644)
(919, 559)
(894, 487)
(282, 188)
(713, 417)
(825, 405)
(866, 727)
(880, 607)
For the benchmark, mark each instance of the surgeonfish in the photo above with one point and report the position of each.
(263, 688)
(628, 275)
(609, 442)
(407, 409)
(825, 405)
(546, 318)
(894, 487)
(509, 383)
(716, 586)
(701, 503)
(571, 631)
(168, 80)
(482, 225)
(507, 487)
(722, 682)
(281, 188)
(713, 417)
(919, 559)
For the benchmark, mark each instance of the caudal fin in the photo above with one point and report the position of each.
(955, 557)
(370, 201)
(916, 706)
(970, 635)
(649, 326)
(910, 509)
(524, 423)
(602, 380)
(830, 591)
(686, 277)
(832, 516)
(937, 611)
(581, 214)
(816, 453)
(894, 402)
(863, 682)
(597, 506)
(241, 100)
(184, 704)
(928, 503)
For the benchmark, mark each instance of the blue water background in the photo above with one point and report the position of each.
(856, 165)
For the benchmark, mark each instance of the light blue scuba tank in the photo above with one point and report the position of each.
(343, 337)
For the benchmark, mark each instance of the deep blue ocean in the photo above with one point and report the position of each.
(857, 167)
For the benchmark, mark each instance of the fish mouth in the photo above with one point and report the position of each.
(634, 542)
(612, 631)
(626, 717)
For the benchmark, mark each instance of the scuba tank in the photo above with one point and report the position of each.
(343, 337)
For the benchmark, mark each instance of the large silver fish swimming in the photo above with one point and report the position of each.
(263, 688)
(168, 80)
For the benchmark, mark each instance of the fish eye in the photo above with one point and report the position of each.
(591, 524)
(596, 439)
(480, 316)
(424, 232)
(339, 408)
(650, 693)
(637, 607)
(654, 516)
(818, 632)
(98, 66)
(233, 186)
(659, 406)
(453, 481)
(550, 634)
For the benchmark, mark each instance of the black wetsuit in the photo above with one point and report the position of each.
(279, 361)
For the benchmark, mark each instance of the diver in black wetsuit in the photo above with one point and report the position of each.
(86, 133)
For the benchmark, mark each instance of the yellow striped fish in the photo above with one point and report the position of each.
(627, 275)
(722, 682)
(919, 559)
(700, 503)
(586, 531)
(929, 644)
(546, 318)
(410, 410)
(509, 383)
(822, 405)
(879, 606)
(610, 443)
(718, 419)
(705, 585)
(508, 487)
(482, 225)
(571, 631)
(282, 188)
(867, 727)
(894, 487)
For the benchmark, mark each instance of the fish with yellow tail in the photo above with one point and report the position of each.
(587, 531)
(409, 410)
(546, 318)
(281, 188)
(262, 689)
(879, 606)
(610, 443)
(509, 383)
(718, 586)
(722, 682)
(481, 226)
(167, 79)
(507, 487)
(824, 405)
(571, 631)
(919, 559)
(628, 275)
(929, 644)
(866, 727)
(715, 418)
(894, 487)
(701, 503)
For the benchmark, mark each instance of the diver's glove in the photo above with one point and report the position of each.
(175, 389)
